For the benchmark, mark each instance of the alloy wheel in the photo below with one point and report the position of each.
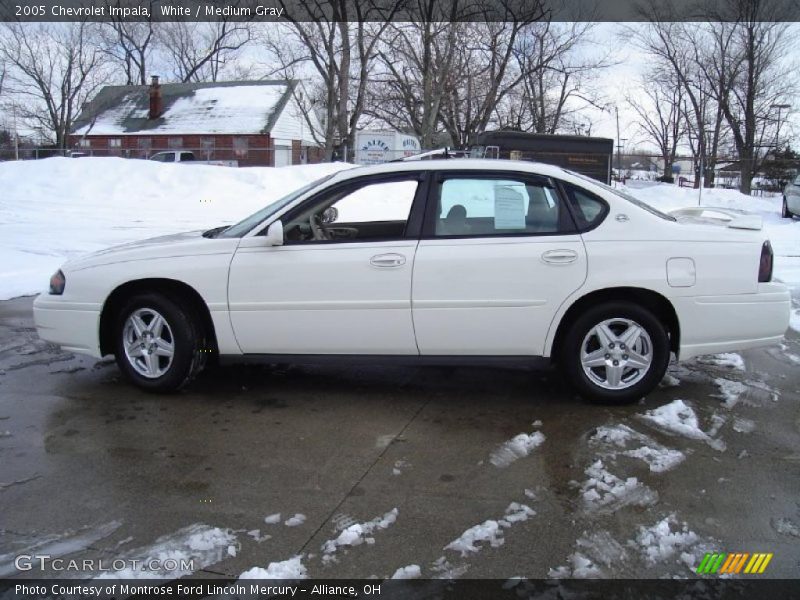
(149, 343)
(616, 353)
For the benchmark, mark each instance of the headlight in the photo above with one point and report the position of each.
(57, 282)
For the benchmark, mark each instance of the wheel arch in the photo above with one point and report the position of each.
(178, 291)
(658, 304)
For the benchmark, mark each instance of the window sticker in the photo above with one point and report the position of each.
(509, 208)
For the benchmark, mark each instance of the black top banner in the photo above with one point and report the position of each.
(399, 10)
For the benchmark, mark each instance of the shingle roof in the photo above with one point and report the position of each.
(231, 107)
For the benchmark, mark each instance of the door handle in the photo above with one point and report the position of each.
(560, 257)
(388, 260)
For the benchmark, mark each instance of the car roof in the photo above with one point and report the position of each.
(456, 164)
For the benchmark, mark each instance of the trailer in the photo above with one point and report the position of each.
(589, 156)
(376, 147)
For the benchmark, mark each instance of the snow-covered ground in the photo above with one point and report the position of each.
(54, 209)
(58, 208)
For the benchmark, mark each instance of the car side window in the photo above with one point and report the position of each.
(376, 211)
(589, 210)
(492, 207)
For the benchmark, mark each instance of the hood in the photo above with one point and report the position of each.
(190, 243)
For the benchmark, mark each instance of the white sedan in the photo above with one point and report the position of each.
(442, 261)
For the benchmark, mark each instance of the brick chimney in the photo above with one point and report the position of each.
(156, 105)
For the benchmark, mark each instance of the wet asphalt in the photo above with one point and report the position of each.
(91, 467)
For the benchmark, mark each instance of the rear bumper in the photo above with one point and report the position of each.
(714, 324)
(73, 326)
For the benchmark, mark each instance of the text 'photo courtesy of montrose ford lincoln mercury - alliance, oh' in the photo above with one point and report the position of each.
(440, 261)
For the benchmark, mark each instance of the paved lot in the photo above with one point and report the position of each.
(92, 468)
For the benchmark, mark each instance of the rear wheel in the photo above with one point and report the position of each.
(785, 212)
(158, 343)
(615, 353)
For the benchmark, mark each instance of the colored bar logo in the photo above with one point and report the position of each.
(721, 563)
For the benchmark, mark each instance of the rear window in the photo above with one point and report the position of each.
(589, 209)
(625, 196)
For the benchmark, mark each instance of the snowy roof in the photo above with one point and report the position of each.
(234, 107)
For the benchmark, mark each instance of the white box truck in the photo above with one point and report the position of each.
(375, 147)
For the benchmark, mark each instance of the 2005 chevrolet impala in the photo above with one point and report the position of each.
(438, 261)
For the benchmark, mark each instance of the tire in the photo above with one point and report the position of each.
(785, 213)
(145, 359)
(586, 337)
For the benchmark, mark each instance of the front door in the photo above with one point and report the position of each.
(498, 256)
(340, 284)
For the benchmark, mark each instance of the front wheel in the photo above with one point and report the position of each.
(157, 343)
(785, 212)
(615, 353)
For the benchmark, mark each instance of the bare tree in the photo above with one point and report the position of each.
(659, 107)
(53, 69)
(759, 78)
(732, 71)
(335, 44)
(558, 75)
(130, 44)
(488, 72)
(419, 68)
(201, 51)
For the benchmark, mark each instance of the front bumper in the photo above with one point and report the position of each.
(714, 324)
(74, 326)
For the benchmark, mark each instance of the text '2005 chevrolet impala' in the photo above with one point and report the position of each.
(431, 261)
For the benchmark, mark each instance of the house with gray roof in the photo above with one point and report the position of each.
(257, 123)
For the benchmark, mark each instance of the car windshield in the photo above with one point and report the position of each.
(624, 195)
(242, 227)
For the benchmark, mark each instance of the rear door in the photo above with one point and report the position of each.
(498, 255)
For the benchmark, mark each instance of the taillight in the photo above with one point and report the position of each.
(765, 264)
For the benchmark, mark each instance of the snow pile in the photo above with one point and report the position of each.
(657, 456)
(662, 540)
(198, 545)
(680, 419)
(517, 447)
(409, 572)
(605, 492)
(287, 569)
(730, 391)
(357, 534)
(785, 526)
(593, 553)
(296, 520)
(273, 519)
(59, 208)
(729, 360)
(490, 531)
(742, 425)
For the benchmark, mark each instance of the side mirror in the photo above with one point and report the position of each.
(274, 235)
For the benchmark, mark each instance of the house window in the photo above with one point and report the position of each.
(175, 143)
(84, 143)
(207, 145)
(115, 142)
(240, 147)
